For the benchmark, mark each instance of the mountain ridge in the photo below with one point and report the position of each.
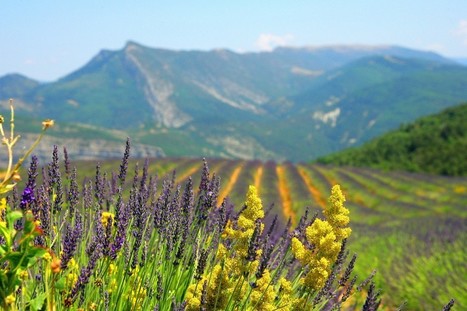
(290, 103)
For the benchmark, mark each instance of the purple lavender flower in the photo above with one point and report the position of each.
(203, 185)
(124, 164)
(27, 198)
(70, 241)
(99, 187)
(73, 193)
(43, 203)
(122, 219)
(85, 275)
(67, 162)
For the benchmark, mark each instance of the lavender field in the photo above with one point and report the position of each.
(410, 228)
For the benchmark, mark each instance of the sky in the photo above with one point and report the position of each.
(46, 40)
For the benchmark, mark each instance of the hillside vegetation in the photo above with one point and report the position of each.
(289, 104)
(435, 144)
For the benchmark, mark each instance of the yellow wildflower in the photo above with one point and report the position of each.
(337, 214)
(321, 234)
(10, 299)
(72, 264)
(2, 211)
(221, 251)
(192, 303)
(47, 123)
(112, 286)
(317, 275)
(112, 269)
(254, 208)
(300, 252)
(105, 218)
(47, 256)
(23, 274)
(71, 279)
(263, 295)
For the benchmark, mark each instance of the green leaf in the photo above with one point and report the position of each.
(14, 258)
(61, 284)
(5, 233)
(34, 254)
(12, 216)
(37, 303)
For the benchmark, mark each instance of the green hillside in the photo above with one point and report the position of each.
(435, 144)
(289, 104)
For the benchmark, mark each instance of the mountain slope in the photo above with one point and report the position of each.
(434, 144)
(292, 103)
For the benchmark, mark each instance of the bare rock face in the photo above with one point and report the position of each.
(80, 149)
(157, 93)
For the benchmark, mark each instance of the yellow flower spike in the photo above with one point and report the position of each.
(10, 299)
(317, 230)
(113, 285)
(23, 275)
(221, 251)
(112, 269)
(317, 276)
(72, 264)
(263, 295)
(254, 207)
(193, 303)
(300, 252)
(47, 256)
(337, 214)
(105, 218)
(71, 279)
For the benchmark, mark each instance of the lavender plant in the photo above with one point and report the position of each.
(139, 244)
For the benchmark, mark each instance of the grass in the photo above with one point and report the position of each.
(387, 213)
(97, 239)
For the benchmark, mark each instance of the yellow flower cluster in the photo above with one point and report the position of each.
(232, 283)
(106, 216)
(229, 279)
(72, 276)
(326, 237)
(337, 214)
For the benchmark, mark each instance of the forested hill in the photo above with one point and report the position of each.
(288, 104)
(434, 144)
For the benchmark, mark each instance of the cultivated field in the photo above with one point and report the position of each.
(411, 228)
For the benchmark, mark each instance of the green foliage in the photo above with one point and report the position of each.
(398, 219)
(251, 105)
(17, 229)
(436, 144)
(165, 249)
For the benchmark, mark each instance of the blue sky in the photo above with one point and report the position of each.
(46, 39)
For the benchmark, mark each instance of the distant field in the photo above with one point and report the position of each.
(412, 228)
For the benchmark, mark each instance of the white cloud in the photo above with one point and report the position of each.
(267, 41)
(461, 31)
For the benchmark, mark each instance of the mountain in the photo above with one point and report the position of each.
(291, 103)
(434, 144)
